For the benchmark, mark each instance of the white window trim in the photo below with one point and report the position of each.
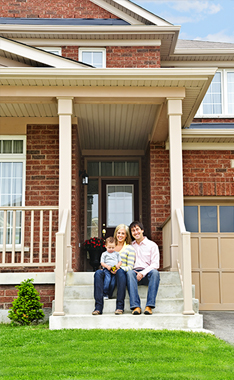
(20, 157)
(103, 50)
(51, 49)
(224, 113)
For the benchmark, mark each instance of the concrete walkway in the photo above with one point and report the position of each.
(221, 323)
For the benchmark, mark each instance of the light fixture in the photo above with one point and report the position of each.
(85, 177)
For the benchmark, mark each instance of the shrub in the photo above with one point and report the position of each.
(27, 307)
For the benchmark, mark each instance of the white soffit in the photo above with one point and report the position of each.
(34, 54)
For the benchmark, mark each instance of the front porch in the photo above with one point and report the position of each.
(108, 109)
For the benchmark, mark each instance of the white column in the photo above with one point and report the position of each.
(65, 111)
(174, 109)
(65, 106)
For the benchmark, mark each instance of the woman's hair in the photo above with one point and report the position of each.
(128, 237)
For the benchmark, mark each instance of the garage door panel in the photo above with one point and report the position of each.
(227, 281)
(227, 252)
(210, 291)
(195, 252)
(209, 253)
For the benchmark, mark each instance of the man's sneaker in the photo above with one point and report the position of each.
(106, 297)
(136, 311)
(148, 310)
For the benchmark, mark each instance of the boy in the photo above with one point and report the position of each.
(109, 259)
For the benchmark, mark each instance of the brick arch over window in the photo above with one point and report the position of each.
(54, 9)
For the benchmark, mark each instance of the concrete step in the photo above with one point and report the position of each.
(86, 306)
(86, 292)
(129, 321)
(86, 278)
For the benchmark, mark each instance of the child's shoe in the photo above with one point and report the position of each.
(106, 297)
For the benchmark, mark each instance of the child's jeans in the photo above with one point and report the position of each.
(109, 283)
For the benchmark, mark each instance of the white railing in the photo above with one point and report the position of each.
(184, 262)
(63, 262)
(26, 236)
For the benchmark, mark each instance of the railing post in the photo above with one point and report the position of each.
(187, 275)
(59, 275)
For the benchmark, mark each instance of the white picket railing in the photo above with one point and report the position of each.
(26, 236)
(184, 263)
(63, 262)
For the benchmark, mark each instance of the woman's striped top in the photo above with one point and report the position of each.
(128, 256)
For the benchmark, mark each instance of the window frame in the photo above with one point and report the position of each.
(92, 50)
(16, 157)
(224, 99)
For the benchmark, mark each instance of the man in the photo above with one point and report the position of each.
(144, 271)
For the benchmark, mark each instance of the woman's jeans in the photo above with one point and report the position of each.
(99, 289)
(152, 279)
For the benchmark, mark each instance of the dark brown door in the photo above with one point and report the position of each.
(120, 204)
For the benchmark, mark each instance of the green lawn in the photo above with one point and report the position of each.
(38, 353)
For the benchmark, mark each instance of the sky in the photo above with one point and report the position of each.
(206, 20)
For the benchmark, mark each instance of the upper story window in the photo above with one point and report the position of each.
(54, 50)
(219, 99)
(93, 56)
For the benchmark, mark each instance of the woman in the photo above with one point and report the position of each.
(127, 253)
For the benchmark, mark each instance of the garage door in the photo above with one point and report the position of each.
(212, 247)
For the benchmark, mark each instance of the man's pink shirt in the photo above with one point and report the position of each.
(147, 255)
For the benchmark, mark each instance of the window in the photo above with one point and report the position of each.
(54, 50)
(209, 219)
(12, 178)
(93, 57)
(219, 99)
(113, 168)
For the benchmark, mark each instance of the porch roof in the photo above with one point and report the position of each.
(109, 103)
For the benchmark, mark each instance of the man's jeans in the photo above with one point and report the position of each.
(109, 283)
(152, 279)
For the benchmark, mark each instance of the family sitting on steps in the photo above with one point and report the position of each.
(130, 264)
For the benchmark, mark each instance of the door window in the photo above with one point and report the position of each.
(119, 204)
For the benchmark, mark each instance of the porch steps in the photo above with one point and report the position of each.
(168, 314)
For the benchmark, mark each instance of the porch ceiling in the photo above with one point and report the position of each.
(116, 108)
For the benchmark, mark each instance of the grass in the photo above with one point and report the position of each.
(37, 353)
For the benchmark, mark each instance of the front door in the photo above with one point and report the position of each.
(120, 204)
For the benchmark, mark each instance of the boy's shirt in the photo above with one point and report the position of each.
(110, 258)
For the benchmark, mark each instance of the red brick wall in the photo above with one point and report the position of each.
(42, 189)
(208, 173)
(42, 165)
(133, 56)
(146, 209)
(52, 9)
(9, 292)
(160, 192)
(122, 56)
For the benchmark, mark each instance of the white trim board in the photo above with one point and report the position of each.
(17, 278)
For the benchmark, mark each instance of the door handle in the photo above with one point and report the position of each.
(104, 232)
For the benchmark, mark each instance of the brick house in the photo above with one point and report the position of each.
(105, 88)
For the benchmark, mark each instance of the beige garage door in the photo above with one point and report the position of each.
(212, 246)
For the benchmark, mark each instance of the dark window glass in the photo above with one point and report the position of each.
(226, 218)
(191, 218)
(208, 218)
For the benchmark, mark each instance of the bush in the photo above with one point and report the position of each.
(27, 307)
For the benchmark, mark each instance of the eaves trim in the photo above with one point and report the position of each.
(39, 55)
